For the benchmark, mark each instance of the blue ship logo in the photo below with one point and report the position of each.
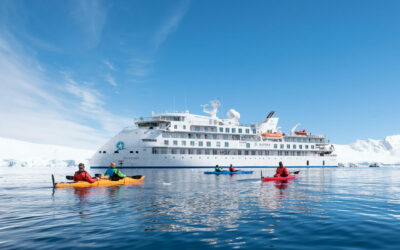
(120, 145)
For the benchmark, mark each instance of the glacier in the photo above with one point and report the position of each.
(386, 151)
(27, 154)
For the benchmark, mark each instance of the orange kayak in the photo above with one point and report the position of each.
(101, 182)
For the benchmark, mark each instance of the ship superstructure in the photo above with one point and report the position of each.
(185, 140)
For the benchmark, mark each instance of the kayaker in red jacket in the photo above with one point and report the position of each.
(231, 168)
(281, 171)
(82, 175)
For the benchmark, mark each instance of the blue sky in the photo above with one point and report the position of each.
(75, 72)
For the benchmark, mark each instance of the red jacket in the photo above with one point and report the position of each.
(83, 176)
(232, 169)
(281, 171)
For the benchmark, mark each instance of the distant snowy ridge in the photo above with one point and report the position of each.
(367, 151)
(20, 153)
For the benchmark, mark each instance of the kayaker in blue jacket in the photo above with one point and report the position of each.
(114, 173)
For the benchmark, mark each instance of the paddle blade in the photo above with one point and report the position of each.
(54, 183)
(69, 177)
(296, 172)
(136, 176)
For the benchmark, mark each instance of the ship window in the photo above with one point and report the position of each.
(200, 144)
(239, 152)
(312, 146)
(247, 131)
(183, 143)
(207, 151)
(198, 151)
(218, 144)
(190, 135)
(300, 146)
(175, 143)
(208, 144)
(99, 152)
(191, 151)
(275, 145)
(254, 131)
(205, 129)
(247, 145)
(288, 146)
(267, 152)
(240, 130)
(214, 137)
(306, 146)
(166, 142)
(174, 151)
(131, 152)
(323, 163)
(116, 152)
(282, 146)
(253, 152)
(163, 151)
(184, 126)
(182, 151)
(191, 143)
(225, 137)
(246, 152)
(308, 163)
(198, 136)
(155, 151)
(197, 128)
(226, 144)
(233, 130)
(137, 152)
(298, 153)
(294, 146)
(175, 126)
(104, 152)
(286, 152)
(226, 130)
(221, 130)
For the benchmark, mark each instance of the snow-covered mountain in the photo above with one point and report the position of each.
(20, 153)
(385, 151)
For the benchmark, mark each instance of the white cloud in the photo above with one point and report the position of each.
(91, 16)
(109, 65)
(170, 24)
(142, 67)
(34, 107)
(110, 80)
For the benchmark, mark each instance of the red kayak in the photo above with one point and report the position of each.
(278, 178)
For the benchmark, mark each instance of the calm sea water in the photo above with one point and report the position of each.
(333, 208)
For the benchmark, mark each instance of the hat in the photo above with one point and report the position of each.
(81, 166)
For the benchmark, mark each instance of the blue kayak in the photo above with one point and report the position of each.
(228, 172)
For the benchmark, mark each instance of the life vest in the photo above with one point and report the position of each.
(282, 172)
(110, 172)
(83, 176)
(232, 169)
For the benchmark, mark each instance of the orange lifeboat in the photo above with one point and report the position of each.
(301, 132)
(275, 134)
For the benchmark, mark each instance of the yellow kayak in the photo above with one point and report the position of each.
(101, 182)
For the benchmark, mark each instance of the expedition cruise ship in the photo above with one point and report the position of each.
(184, 140)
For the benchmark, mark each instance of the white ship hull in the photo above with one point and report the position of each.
(183, 140)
